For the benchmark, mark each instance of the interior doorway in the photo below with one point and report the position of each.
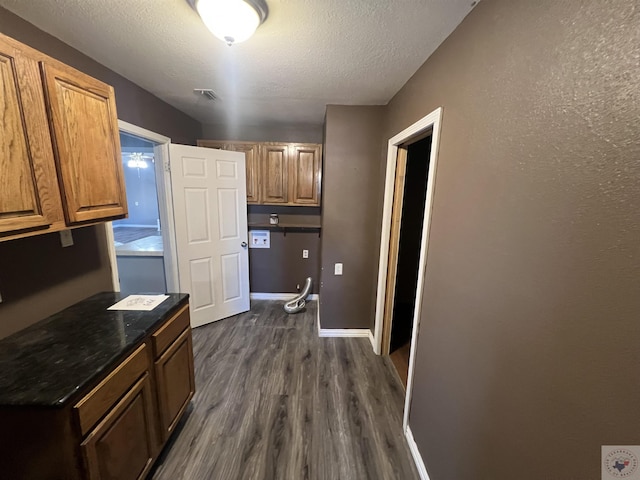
(210, 210)
(138, 238)
(142, 247)
(426, 126)
(412, 174)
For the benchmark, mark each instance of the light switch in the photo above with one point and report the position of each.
(305, 253)
(338, 269)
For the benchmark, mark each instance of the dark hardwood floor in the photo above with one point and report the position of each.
(276, 402)
(400, 360)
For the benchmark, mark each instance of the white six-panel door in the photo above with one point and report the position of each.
(210, 210)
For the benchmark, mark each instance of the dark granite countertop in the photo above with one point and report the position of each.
(48, 362)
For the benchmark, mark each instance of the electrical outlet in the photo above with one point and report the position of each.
(66, 238)
(337, 269)
(305, 253)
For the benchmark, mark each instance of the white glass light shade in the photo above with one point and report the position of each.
(136, 160)
(232, 21)
(137, 164)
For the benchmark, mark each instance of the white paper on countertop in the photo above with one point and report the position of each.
(139, 302)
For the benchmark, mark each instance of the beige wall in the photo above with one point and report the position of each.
(528, 347)
(352, 174)
(37, 276)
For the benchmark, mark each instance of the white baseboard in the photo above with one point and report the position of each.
(372, 340)
(415, 453)
(278, 296)
(344, 332)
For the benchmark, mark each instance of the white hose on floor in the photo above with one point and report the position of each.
(298, 303)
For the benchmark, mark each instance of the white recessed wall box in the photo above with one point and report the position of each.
(259, 239)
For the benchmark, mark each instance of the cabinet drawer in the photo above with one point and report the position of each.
(166, 334)
(102, 398)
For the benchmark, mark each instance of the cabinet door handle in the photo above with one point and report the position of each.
(243, 244)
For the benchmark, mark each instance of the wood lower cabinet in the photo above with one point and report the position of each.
(114, 430)
(175, 380)
(60, 161)
(95, 404)
(126, 441)
(279, 173)
(124, 444)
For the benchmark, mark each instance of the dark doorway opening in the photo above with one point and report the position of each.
(410, 238)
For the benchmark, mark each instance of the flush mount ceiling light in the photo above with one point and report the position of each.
(138, 160)
(232, 21)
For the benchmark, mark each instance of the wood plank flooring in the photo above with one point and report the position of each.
(400, 360)
(275, 402)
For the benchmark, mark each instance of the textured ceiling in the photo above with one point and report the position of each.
(309, 53)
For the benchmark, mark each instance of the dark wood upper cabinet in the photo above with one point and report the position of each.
(274, 173)
(60, 160)
(84, 124)
(305, 168)
(251, 151)
(278, 173)
(29, 195)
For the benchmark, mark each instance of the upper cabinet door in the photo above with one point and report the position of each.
(250, 151)
(306, 171)
(274, 172)
(28, 189)
(84, 126)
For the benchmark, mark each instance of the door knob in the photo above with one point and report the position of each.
(243, 244)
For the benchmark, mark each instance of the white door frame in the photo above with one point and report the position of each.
(430, 122)
(165, 208)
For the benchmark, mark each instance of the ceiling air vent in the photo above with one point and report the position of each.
(207, 93)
